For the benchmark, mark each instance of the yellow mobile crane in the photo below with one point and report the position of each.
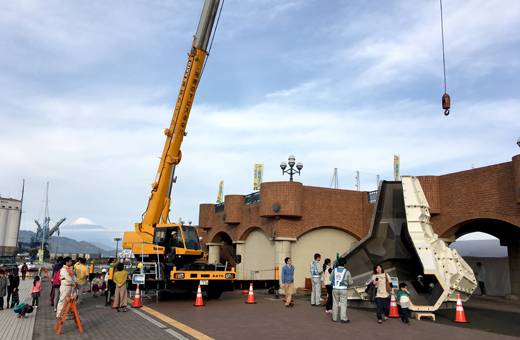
(175, 248)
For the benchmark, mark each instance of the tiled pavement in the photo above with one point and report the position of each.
(12, 327)
(99, 321)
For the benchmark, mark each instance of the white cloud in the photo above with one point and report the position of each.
(89, 89)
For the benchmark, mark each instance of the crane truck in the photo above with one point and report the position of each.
(175, 249)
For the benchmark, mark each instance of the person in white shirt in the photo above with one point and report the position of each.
(68, 283)
(481, 274)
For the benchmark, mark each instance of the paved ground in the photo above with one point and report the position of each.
(12, 327)
(99, 321)
(231, 318)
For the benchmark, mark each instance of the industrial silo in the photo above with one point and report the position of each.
(10, 213)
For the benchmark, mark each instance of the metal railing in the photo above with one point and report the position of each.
(219, 207)
(372, 196)
(252, 198)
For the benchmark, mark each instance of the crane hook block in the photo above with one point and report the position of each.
(446, 104)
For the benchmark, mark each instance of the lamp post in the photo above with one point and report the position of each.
(518, 142)
(117, 239)
(291, 171)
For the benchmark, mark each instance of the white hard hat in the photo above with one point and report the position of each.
(432, 285)
(419, 276)
(104, 271)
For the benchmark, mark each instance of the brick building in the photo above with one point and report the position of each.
(290, 219)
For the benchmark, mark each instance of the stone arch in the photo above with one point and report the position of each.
(325, 240)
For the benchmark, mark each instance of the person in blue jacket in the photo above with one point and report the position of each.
(288, 281)
(316, 272)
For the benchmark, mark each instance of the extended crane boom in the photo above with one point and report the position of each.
(159, 204)
(176, 247)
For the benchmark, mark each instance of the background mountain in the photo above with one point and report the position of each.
(68, 245)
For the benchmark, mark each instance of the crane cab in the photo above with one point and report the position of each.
(181, 243)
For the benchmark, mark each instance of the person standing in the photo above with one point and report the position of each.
(316, 272)
(379, 279)
(14, 282)
(96, 283)
(36, 290)
(111, 286)
(341, 279)
(24, 270)
(404, 300)
(481, 278)
(327, 270)
(120, 296)
(81, 278)
(103, 281)
(55, 292)
(3, 287)
(67, 283)
(288, 281)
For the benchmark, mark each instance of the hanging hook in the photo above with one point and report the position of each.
(446, 104)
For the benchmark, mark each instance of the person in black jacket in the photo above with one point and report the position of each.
(14, 282)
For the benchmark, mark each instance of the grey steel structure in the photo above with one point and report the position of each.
(402, 241)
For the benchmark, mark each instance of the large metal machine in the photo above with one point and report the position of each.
(175, 249)
(401, 239)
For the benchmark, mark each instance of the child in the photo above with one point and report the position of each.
(23, 308)
(95, 285)
(404, 299)
(35, 291)
(16, 298)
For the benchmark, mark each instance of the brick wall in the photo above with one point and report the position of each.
(485, 193)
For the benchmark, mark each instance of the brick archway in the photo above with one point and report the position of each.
(502, 227)
(303, 232)
(222, 237)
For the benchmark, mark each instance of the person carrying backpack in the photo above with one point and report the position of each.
(56, 283)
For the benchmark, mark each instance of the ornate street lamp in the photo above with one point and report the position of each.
(291, 171)
(117, 239)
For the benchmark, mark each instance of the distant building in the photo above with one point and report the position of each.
(10, 214)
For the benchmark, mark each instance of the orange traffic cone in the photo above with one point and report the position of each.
(137, 298)
(459, 314)
(251, 297)
(245, 291)
(393, 308)
(199, 302)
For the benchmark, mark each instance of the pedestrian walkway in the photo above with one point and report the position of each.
(15, 328)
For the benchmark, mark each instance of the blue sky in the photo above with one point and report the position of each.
(88, 88)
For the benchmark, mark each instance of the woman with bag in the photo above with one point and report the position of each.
(36, 290)
(383, 290)
(327, 270)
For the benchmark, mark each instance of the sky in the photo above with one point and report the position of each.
(87, 89)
